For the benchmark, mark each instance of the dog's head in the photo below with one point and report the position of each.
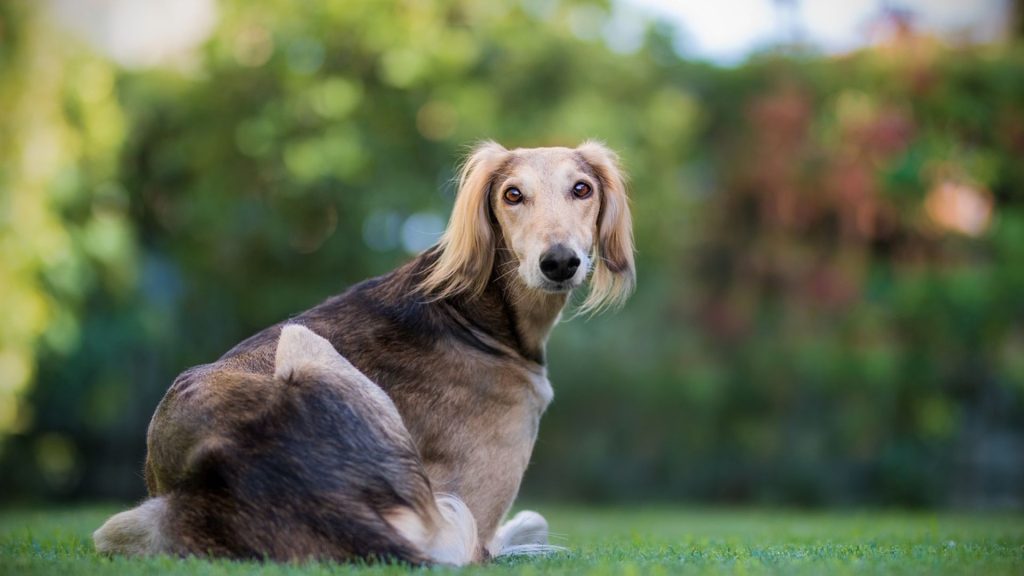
(561, 213)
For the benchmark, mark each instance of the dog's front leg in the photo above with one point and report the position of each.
(525, 533)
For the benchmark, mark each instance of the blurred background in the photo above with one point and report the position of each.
(828, 199)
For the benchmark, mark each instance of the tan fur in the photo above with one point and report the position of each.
(614, 273)
(135, 532)
(303, 354)
(599, 227)
(454, 342)
(445, 532)
(467, 246)
(448, 538)
(548, 215)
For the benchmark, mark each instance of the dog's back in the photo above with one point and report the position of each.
(310, 462)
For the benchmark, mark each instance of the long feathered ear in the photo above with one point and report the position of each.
(466, 250)
(614, 273)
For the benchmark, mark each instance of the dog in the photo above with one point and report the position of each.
(395, 420)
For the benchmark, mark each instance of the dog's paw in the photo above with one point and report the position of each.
(525, 533)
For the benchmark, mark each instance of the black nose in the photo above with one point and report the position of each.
(559, 263)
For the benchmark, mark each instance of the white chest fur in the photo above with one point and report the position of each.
(541, 387)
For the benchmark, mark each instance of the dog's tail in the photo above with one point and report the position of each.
(135, 532)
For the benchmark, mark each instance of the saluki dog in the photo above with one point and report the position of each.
(395, 420)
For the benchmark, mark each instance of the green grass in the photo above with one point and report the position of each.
(651, 541)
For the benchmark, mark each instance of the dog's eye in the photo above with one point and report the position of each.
(582, 190)
(512, 196)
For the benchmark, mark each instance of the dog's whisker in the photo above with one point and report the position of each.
(506, 273)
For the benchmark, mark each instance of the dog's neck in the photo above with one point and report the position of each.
(534, 313)
(512, 313)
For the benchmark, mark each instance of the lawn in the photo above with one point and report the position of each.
(609, 541)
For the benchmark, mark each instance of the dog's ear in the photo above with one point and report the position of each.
(466, 250)
(614, 270)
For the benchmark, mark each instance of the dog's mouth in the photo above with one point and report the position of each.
(557, 287)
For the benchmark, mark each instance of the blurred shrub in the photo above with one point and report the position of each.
(65, 234)
(847, 325)
(830, 249)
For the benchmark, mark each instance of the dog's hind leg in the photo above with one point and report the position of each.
(312, 461)
(440, 526)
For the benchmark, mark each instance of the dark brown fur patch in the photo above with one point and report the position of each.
(291, 470)
(255, 469)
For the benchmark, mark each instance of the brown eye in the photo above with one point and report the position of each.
(512, 196)
(581, 190)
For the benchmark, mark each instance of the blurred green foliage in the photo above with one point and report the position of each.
(831, 250)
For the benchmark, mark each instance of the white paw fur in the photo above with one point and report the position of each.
(525, 533)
